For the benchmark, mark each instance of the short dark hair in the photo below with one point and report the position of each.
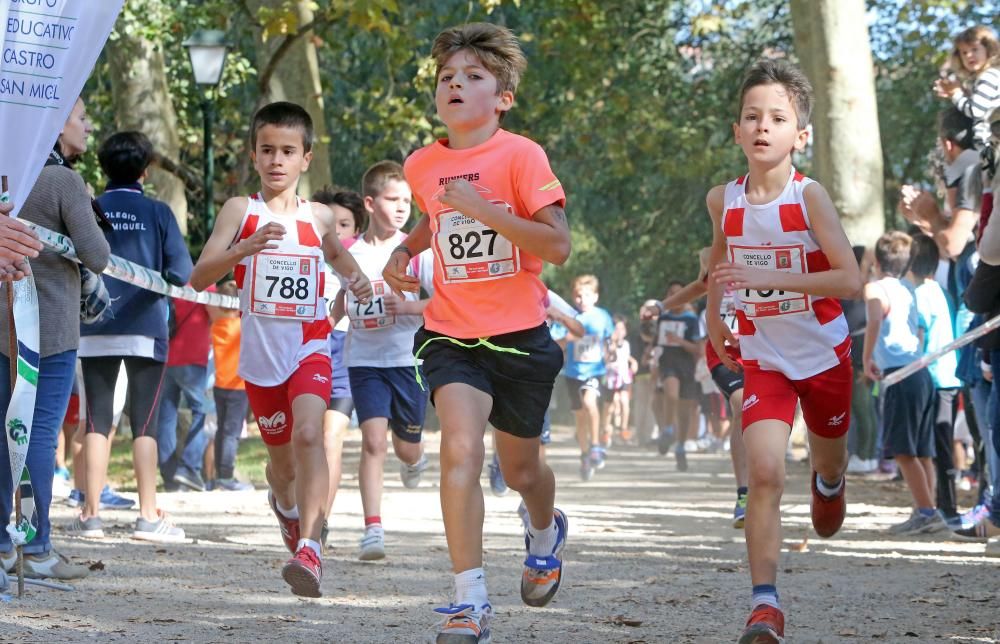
(924, 256)
(892, 252)
(283, 114)
(337, 196)
(955, 127)
(769, 71)
(378, 176)
(124, 156)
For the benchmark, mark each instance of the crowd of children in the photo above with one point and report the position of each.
(341, 313)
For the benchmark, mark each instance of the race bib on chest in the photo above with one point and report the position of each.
(772, 302)
(373, 314)
(667, 327)
(471, 252)
(285, 285)
(587, 349)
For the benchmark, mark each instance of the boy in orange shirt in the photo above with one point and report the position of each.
(494, 214)
(231, 402)
(777, 242)
(275, 243)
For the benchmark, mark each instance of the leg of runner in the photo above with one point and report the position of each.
(371, 472)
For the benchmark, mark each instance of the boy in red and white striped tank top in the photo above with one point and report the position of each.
(276, 243)
(779, 245)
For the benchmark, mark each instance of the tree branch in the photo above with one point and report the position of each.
(264, 82)
(192, 181)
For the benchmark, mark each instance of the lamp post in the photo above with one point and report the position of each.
(207, 50)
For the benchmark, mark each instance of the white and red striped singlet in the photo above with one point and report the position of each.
(796, 334)
(282, 308)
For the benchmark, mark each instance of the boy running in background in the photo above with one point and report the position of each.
(778, 243)
(894, 338)
(379, 351)
(277, 243)
(584, 370)
(494, 214)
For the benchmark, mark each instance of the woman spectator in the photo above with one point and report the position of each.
(59, 201)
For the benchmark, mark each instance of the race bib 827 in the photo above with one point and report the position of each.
(285, 285)
(471, 252)
(771, 302)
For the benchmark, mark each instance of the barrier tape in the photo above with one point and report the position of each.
(961, 341)
(132, 273)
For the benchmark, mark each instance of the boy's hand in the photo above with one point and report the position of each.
(359, 285)
(718, 335)
(261, 240)
(396, 305)
(871, 371)
(739, 277)
(462, 196)
(395, 275)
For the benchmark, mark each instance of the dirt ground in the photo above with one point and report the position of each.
(651, 557)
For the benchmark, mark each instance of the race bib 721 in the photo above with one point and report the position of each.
(471, 252)
(285, 285)
(370, 315)
(771, 302)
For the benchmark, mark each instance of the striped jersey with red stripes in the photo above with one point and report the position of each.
(798, 335)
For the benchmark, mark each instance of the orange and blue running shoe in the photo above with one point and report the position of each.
(303, 572)
(465, 624)
(828, 512)
(542, 575)
(766, 625)
(289, 527)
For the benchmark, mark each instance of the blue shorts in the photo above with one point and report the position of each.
(393, 393)
(340, 394)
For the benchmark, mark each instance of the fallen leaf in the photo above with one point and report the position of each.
(800, 547)
(97, 565)
(621, 620)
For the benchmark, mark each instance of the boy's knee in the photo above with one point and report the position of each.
(767, 477)
(374, 443)
(308, 434)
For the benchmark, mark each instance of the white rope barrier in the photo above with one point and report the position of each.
(961, 341)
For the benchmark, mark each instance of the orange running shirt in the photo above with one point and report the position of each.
(483, 285)
(226, 345)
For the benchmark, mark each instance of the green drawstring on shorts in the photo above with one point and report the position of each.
(481, 342)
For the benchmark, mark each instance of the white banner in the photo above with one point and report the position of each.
(49, 49)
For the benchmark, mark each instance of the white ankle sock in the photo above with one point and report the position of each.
(318, 549)
(826, 490)
(542, 542)
(288, 514)
(470, 588)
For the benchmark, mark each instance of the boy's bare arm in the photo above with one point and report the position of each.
(417, 241)
(843, 280)
(545, 235)
(718, 332)
(572, 325)
(875, 307)
(337, 257)
(221, 254)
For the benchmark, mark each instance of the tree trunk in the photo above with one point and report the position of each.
(142, 102)
(831, 40)
(297, 79)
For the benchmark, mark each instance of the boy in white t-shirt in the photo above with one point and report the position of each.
(379, 350)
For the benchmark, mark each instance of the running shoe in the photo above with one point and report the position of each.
(190, 479)
(497, 484)
(92, 528)
(62, 473)
(304, 572)
(766, 625)
(75, 498)
(372, 544)
(665, 440)
(542, 575)
(598, 456)
(289, 527)
(982, 531)
(740, 511)
(680, 454)
(111, 500)
(586, 467)
(162, 530)
(911, 523)
(410, 474)
(8, 560)
(52, 565)
(828, 512)
(231, 485)
(465, 624)
(922, 524)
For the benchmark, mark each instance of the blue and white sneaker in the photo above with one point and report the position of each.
(111, 500)
(598, 455)
(497, 484)
(740, 511)
(75, 498)
(62, 473)
(542, 575)
(465, 624)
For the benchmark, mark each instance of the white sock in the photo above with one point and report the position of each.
(542, 542)
(288, 514)
(470, 588)
(826, 490)
(312, 544)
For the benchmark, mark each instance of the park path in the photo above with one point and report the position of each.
(651, 558)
